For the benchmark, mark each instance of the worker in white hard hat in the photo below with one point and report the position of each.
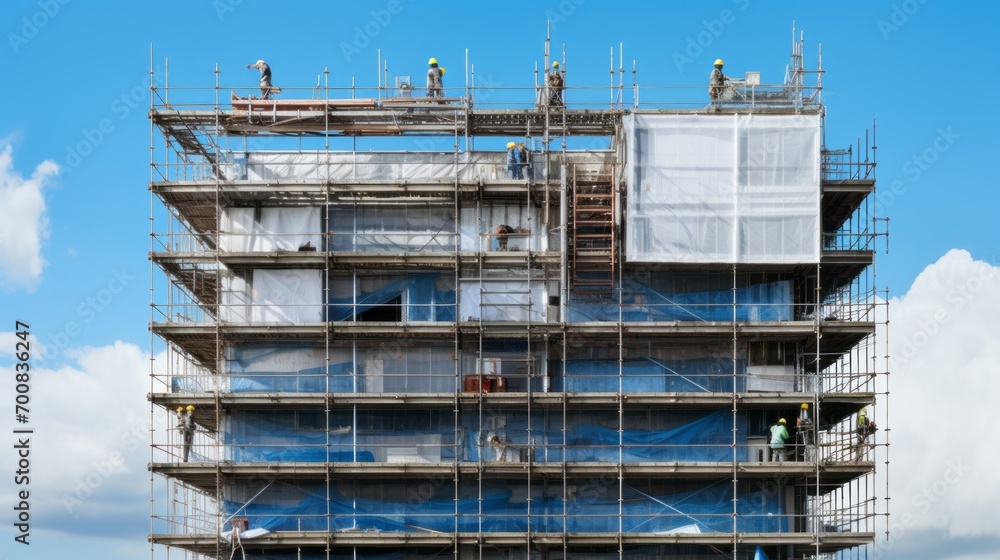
(804, 433)
(185, 425)
(556, 82)
(717, 81)
(779, 435)
(265, 78)
(435, 82)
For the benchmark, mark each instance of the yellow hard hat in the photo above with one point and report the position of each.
(510, 145)
(432, 61)
(781, 421)
(555, 64)
(718, 62)
(180, 409)
(864, 412)
(190, 408)
(443, 71)
(804, 405)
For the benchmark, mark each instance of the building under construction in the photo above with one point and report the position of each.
(384, 339)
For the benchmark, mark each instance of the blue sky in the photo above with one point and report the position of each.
(76, 94)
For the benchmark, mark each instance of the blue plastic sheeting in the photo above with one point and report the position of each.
(708, 438)
(648, 375)
(247, 378)
(642, 304)
(302, 437)
(423, 297)
(267, 437)
(300, 555)
(504, 508)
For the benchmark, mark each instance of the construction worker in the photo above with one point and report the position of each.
(435, 84)
(804, 432)
(502, 232)
(779, 435)
(522, 152)
(513, 161)
(864, 429)
(555, 81)
(717, 81)
(185, 424)
(265, 78)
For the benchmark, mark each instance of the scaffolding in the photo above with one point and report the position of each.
(399, 353)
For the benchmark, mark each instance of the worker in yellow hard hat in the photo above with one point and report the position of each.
(185, 426)
(779, 435)
(865, 428)
(513, 161)
(556, 82)
(435, 85)
(717, 81)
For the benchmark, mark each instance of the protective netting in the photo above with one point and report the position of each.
(647, 374)
(723, 189)
(295, 296)
(506, 506)
(493, 436)
(771, 301)
(431, 368)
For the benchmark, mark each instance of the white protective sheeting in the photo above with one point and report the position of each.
(502, 300)
(235, 304)
(723, 188)
(379, 166)
(279, 229)
(478, 227)
(287, 296)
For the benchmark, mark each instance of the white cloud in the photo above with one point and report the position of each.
(23, 222)
(90, 444)
(944, 382)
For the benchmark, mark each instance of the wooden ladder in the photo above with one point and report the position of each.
(593, 232)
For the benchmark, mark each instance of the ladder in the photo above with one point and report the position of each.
(593, 231)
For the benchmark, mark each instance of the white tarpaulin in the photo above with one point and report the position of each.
(279, 229)
(287, 296)
(502, 300)
(723, 188)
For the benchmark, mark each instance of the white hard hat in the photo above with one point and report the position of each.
(259, 62)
